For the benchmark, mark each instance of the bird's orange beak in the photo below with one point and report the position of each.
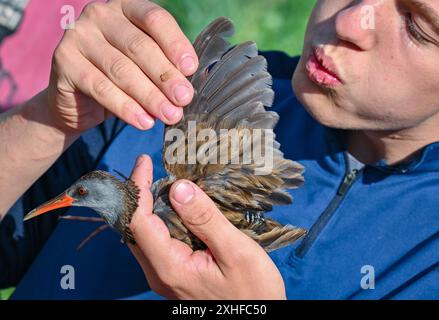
(63, 200)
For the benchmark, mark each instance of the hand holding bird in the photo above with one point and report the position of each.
(234, 266)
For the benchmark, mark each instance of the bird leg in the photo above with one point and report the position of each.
(86, 219)
(254, 218)
(92, 235)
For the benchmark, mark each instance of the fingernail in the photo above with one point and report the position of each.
(170, 111)
(187, 64)
(182, 93)
(139, 160)
(184, 193)
(145, 121)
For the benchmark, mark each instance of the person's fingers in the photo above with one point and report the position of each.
(142, 175)
(150, 232)
(92, 82)
(153, 239)
(161, 26)
(147, 228)
(155, 277)
(126, 75)
(201, 216)
(147, 54)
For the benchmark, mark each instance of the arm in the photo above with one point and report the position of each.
(21, 242)
(30, 143)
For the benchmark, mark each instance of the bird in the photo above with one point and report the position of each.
(232, 92)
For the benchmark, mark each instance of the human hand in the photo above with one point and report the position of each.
(124, 57)
(233, 267)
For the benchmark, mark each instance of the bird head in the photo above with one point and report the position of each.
(97, 190)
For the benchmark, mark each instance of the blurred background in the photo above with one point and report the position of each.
(272, 24)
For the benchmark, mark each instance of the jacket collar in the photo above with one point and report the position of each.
(426, 161)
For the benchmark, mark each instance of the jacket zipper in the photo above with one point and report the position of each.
(348, 180)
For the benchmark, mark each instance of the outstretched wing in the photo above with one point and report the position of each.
(232, 89)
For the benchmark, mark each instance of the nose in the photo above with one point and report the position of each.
(357, 24)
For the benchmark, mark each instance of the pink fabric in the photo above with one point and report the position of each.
(26, 55)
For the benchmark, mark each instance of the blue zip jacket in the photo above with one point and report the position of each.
(373, 231)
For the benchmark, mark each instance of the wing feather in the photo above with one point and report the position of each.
(232, 90)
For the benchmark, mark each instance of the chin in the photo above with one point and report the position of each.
(317, 101)
(321, 104)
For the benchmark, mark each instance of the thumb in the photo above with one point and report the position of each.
(201, 216)
(149, 231)
(141, 175)
(142, 172)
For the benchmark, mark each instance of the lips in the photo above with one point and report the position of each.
(321, 69)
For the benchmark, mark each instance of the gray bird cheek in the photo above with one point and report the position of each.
(78, 203)
(109, 218)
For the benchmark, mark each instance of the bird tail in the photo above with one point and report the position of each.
(276, 235)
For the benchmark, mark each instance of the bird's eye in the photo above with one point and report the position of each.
(82, 191)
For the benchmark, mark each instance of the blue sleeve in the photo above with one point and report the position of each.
(20, 242)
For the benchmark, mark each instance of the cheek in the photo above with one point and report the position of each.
(407, 88)
(424, 79)
(322, 107)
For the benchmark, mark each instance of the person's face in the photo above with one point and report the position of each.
(387, 59)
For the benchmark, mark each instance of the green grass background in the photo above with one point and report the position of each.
(272, 24)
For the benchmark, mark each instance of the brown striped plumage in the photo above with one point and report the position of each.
(231, 89)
